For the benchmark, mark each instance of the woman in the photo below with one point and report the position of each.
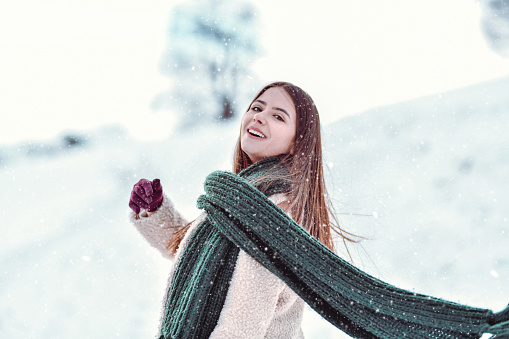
(244, 269)
(258, 304)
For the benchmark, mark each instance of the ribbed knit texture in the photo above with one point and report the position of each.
(240, 216)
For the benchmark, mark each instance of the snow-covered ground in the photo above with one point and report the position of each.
(426, 181)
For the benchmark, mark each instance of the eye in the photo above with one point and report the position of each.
(256, 109)
(278, 117)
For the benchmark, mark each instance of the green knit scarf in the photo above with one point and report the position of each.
(240, 216)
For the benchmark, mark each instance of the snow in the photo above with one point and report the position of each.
(425, 181)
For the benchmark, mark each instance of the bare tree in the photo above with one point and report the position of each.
(495, 25)
(211, 45)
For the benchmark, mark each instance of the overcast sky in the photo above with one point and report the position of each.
(81, 64)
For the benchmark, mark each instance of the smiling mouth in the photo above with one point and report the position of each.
(256, 133)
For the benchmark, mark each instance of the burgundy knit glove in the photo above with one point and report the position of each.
(146, 194)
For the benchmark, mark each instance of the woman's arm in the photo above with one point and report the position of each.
(159, 227)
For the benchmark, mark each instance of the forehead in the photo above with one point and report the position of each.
(278, 97)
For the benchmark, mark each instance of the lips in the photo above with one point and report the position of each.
(256, 132)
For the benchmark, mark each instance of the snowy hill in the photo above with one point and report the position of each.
(435, 172)
(425, 180)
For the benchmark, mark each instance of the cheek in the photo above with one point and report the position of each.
(242, 127)
(289, 141)
(245, 121)
(291, 135)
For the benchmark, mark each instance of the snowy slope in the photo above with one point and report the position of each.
(435, 172)
(426, 180)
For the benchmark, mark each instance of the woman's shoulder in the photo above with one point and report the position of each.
(278, 198)
(282, 200)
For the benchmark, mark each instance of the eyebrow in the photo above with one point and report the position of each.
(276, 108)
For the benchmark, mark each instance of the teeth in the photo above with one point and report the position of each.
(258, 134)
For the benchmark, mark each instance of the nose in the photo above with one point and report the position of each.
(259, 118)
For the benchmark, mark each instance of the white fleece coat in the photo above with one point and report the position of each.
(257, 305)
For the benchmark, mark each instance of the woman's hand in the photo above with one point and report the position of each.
(147, 195)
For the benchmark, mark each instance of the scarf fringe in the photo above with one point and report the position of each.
(500, 324)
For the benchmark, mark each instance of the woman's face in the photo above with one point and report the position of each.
(268, 127)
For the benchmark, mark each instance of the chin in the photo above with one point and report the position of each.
(253, 157)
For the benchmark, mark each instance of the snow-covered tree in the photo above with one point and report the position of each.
(495, 24)
(211, 45)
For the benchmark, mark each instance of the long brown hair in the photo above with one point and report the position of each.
(308, 201)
